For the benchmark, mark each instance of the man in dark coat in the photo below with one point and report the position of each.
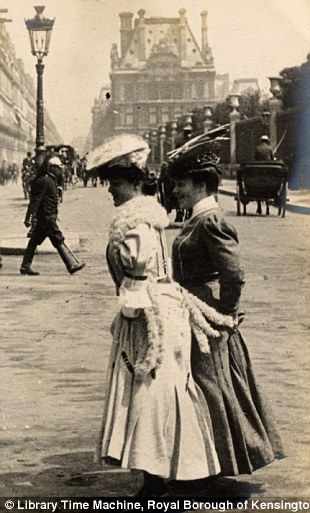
(42, 215)
(264, 150)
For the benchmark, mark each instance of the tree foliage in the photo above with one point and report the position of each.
(250, 105)
(290, 79)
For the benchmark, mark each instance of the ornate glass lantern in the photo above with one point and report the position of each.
(40, 30)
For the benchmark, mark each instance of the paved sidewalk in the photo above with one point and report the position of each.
(298, 201)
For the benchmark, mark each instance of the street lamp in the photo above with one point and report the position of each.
(234, 118)
(40, 30)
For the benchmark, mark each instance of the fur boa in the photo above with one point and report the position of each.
(140, 209)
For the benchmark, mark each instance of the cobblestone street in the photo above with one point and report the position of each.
(55, 345)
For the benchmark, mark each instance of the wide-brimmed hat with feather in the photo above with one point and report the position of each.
(120, 155)
(198, 157)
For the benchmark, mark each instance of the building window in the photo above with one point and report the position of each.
(165, 91)
(122, 92)
(177, 91)
(188, 90)
(129, 116)
(200, 90)
(177, 112)
(153, 116)
(142, 117)
(129, 92)
(165, 115)
(121, 117)
(153, 91)
(142, 91)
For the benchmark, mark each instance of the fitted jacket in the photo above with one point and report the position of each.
(43, 198)
(205, 258)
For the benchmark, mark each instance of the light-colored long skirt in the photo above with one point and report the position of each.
(160, 425)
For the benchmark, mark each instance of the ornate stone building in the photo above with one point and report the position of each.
(160, 74)
(18, 106)
(245, 85)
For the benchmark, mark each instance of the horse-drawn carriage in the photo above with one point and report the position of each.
(262, 181)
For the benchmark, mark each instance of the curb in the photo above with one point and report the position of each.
(298, 209)
(290, 207)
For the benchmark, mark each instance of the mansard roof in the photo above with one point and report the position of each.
(162, 36)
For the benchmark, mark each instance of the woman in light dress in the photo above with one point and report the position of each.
(155, 418)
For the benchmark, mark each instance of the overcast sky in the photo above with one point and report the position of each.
(249, 38)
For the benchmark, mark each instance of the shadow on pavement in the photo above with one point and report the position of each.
(75, 475)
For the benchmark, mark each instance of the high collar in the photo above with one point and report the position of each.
(208, 203)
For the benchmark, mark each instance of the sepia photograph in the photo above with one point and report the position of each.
(154, 255)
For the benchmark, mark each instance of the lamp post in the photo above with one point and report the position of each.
(275, 105)
(162, 139)
(234, 118)
(40, 30)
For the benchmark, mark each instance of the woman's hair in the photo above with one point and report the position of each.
(209, 177)
(131, 174)
(199, 170)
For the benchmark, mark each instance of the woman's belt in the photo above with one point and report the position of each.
(164, 278)
(137, 277)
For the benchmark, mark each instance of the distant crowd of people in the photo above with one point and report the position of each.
(9, 172)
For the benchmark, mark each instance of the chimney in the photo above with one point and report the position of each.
(126, 31)
(182, 13)
(204, 32)
(141, 34)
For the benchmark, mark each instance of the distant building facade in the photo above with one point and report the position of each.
(18, 106)
(160, 74)
(245, 85)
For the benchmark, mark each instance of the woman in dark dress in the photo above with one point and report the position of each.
(206, 262)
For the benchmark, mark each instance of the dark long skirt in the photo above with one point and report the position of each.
(245, 433)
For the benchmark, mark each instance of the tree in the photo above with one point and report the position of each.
(250, 106)
(221, 113)
(289, 84)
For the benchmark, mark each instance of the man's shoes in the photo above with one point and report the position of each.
(28, 271)
(76, 268)
(69, 258)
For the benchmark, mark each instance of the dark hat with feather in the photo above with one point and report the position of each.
(198, 158)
